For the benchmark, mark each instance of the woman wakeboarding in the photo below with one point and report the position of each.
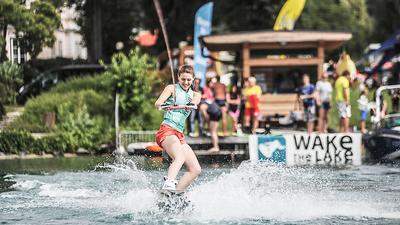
(177, 100)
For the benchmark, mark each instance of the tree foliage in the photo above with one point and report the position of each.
(229, 16)
(34, 25)
(386, 16)
(344, 15)
(133, 76)
(10, 82)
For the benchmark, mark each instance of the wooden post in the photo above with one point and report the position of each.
(321, 57)
(49, 120)
(246, 58)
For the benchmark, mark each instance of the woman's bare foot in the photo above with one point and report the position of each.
(213, 150)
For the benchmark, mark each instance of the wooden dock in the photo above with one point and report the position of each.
(231, 147)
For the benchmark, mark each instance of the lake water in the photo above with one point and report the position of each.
(105, 191)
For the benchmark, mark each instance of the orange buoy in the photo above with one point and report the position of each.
(154, 148)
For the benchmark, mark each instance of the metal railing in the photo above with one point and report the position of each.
(128, 137)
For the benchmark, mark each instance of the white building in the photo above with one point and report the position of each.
(68, 44)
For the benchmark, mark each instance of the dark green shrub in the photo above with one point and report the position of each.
(10, 80)
(50, 145)
(32, 118)
(133, 77)
(77, 128)
(14, 142)
(99, 83)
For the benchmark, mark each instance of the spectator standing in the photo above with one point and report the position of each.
(243, 101)
(307, 95)
(213, 115)
(233, 99)
(342, 88)
(363, 105)
(195, 114)
(383, 106)
(323, 98)
(252, 94)
(219, 90)
(395, 93)
(207, 97)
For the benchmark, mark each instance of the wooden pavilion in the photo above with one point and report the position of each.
(276, 59)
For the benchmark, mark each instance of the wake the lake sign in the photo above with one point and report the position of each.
(336, 149)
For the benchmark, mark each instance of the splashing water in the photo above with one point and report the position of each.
(120, 193)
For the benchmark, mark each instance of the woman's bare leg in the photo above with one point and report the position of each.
(235, 124)
(326, 121)
(321, 119)
(173, 147)
(310, 127)
(192, 166)
(224, 111)
(247, 121)
(255, 124)
(214, 136)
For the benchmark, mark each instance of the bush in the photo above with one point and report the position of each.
(77, 128)
(32, 118)
(11, 78)
(49, 145)
(133, 77)
(15, 142)
(99, 83)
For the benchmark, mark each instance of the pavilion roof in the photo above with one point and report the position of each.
(234, 41)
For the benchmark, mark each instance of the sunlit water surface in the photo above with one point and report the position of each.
(125, 192)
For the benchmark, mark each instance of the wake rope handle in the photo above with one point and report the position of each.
(174, 107)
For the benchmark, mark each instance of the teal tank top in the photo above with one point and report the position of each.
(177, 118)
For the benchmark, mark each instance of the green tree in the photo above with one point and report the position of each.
(34, 26)
(228, 16)
(10, 82)
(77, 128)
(386, 16)
(237, 15)
(101, 37)
(344, 15)
(133, 76)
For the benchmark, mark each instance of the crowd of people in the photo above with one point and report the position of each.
(218, 103)
(241, 105)
(320, 97)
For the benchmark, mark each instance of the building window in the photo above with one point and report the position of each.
(18, 54)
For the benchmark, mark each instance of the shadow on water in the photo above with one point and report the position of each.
(51, 165)
(41, 166)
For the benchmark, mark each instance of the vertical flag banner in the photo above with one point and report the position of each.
(288, 15)
(202, 26)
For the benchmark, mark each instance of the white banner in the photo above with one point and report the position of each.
(302, 149)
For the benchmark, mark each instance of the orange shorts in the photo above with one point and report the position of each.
(251, 112)
(165, 131)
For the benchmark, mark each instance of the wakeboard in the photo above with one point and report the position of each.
(173, 201)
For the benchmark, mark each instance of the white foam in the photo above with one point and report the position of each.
(278, 193)
(55, 191)
(26, 185)
(249, 192)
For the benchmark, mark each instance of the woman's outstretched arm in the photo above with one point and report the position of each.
(168, 91)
